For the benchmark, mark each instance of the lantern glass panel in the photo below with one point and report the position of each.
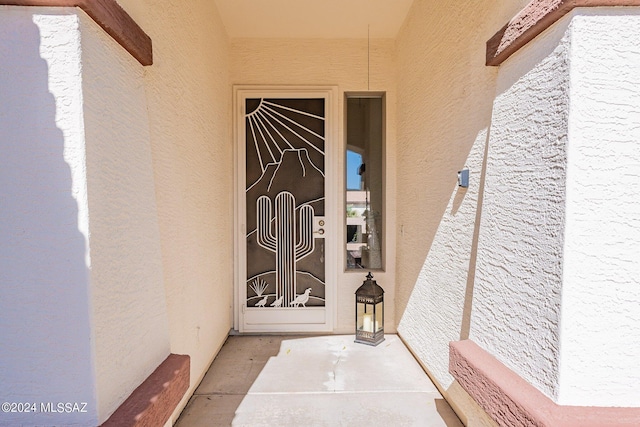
(379, 323)
(365, 318)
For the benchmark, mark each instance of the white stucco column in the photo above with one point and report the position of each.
(557, 286)
(600, 326)
(82, 307)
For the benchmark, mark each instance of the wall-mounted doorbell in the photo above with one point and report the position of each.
(463, 177)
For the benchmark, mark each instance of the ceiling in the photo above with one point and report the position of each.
(313, 18)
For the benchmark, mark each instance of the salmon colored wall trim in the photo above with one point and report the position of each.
(510, 400)
(536, 17)
(111, 17)
(153, 402)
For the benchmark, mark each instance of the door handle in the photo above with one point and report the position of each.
(319, 223)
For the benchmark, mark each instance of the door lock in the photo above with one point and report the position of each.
(318, 226)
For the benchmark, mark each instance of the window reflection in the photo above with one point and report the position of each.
(364, 182)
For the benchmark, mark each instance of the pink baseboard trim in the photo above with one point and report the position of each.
(111, 17)
(511, 401)
(153, 402)
(536, 17)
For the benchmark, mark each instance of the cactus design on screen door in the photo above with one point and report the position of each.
(285, 192)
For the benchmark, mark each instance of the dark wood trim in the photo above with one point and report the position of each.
(111, 17)
(510, 400)
(536, 17)
(153, 402)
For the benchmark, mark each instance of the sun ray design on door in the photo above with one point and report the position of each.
(285, 190)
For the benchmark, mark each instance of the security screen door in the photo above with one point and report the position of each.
(283, 279)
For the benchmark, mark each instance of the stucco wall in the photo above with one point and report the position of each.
(342, 63)
(189, 108)
(445, 95)
(517, 292)
(601, 289)
(84, 105)
(130, 325)
(556, 287)
(46, 352)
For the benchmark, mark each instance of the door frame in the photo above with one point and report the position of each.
(332, 203)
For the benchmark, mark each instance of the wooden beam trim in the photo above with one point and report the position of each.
(153, 402)
(536, 17)
(111, 17)
(510, 400)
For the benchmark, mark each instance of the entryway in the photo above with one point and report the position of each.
(315, 381)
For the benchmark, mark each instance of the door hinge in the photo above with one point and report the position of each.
(244, 306)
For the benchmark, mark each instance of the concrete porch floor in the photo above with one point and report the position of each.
(315, 381)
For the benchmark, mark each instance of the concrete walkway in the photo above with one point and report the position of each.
(315, 381)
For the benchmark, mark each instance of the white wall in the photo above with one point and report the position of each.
(445, 95)
(99, 275)
(556, 291)
(46, 353)
(342, 63)
(600, 333)
(517, 292)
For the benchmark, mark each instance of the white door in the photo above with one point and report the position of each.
(285, 223)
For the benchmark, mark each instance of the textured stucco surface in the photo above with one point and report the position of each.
(516, 307)
(342, 63)
(98, 126)
(566, 325)
(189, 108)
(557, 273)
(512, 401)
(445, 96)
(46, 351)
(535, 18)
(600, 340)
(129, 310)
(508, 398)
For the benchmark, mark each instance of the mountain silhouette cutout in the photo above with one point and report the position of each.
(294, 173)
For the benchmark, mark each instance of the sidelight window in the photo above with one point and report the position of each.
(364, 180)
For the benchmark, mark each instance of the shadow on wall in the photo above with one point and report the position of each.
(465, 325)
(443, 125)
(458, 199)
(45, 354)
(455, 201)
(452, 212)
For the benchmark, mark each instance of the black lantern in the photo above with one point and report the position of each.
(370, 312)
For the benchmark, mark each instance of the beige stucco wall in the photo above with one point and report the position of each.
(179, 219)
(445, 96)
(129, 310)
(189, 108)
(341, 63)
